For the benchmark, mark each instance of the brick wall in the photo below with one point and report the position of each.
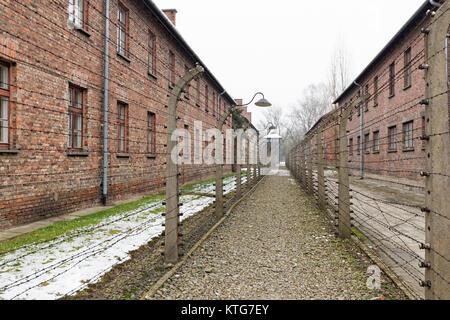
(40, 176)
(390, 111)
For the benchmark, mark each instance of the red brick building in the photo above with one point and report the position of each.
(52, 67)
(245, 112)
(392, 119)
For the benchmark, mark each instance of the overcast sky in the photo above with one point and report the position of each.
(280, 47)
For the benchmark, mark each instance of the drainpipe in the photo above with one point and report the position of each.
(105, 107)
(361, 141)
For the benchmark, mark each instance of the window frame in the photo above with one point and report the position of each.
(188, 87)
(408, 135)
(366, 143)
(151, 53)
(392, 80)
(125, 26)
(76, 111)
(408, 68)
(360, 94)
(84, 13)
(367, 100)
(6, 93)
(392, 146)
(214, 103)
(151, 130)
(171, 69)
(376, 141)
(358, 151)
(186, 146)
(124, 123)
(206, 98)
(375, 88)
(197, 98)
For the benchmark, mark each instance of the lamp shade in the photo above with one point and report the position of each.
(263, 103)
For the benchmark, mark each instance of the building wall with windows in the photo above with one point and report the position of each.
(51, 98)
(393, 117)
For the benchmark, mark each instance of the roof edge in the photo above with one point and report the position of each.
(425, 6)
(176, 34)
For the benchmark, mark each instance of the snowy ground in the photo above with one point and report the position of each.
(71, 262)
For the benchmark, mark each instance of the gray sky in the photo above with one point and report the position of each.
(280, 47)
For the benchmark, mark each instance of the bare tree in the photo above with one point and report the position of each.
(309, 109)
(339, 76)
(273, 115)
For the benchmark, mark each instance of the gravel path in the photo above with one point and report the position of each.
(275, 245)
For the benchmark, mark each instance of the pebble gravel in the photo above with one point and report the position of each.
(276, 245)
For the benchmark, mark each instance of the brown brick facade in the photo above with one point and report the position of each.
(40, 175)
(385, 110)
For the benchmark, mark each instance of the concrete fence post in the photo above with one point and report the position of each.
(310, 167)
(320, 171)
(437, 176)
(238, 168)
(172, 220)
(344, 221)
(303, 165)
(247, 159)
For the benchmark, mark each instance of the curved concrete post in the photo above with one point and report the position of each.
(219, 167)
(171, 250)
(344, 223)
(437, 151)
(320, 170)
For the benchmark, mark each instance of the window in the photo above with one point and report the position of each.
(152, 54)
(171, 69)
(188, 87)
(197, 102)
(408, 141)
(197, 145)
(375, 93)
(350, 146)
(359, 145)
(76, 99)
(78, 13)
(222, 112)
(392, 134)
(206, 98)
(376, 141)
(408, 68)
(214, 104)
(122, 120)
(4, 105)
(392, 80)
(122, 30)
(367, 142)
(186, 141)
(367, 99)
(360, 105)
(151, 137)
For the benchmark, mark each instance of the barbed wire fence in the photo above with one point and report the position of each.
(49, 61)
(405, 221)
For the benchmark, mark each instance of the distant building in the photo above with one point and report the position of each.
(245, 113)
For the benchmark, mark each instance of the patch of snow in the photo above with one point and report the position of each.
(63, 266)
